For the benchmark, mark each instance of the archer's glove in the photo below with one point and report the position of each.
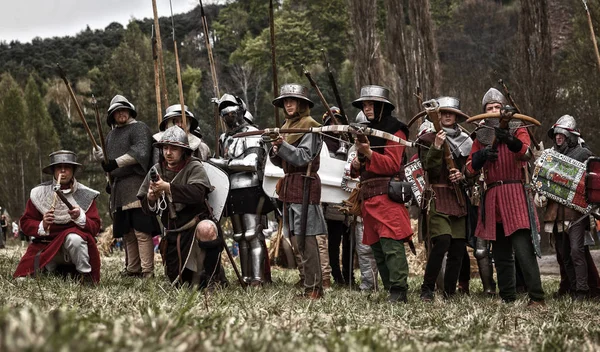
(110, 166)
(481, 156)
(513, 143)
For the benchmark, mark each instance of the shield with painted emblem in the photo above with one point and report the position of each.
(561, 179)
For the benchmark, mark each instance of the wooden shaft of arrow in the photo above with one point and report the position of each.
(161, 63)
(180, 85)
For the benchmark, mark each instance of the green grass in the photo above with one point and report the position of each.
(50, 314)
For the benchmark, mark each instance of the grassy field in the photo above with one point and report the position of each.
(50, 314)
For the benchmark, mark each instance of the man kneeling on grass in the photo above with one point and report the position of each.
(191, 249)
(63, 232)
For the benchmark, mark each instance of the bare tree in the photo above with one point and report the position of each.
(411, 51)
(365, 51)
(535, 61)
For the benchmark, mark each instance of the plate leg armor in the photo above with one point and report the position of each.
(486, 270)
(253, 236)
(243, 245)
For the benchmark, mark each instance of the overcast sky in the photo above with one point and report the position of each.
(24, 20)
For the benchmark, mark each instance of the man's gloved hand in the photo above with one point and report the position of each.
(97, 154)
(110, 165)
(540, 200)
(481, 156)
(513, 143)
(507, 112)
(108, 188)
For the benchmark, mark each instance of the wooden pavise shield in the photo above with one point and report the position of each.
(505, 116)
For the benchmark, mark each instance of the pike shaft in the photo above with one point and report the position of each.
(161, 63)
(179, 82)
(156, 80)
(591, 25)
(273, 59)
(213, 72)
(78, 107)
(180, 86)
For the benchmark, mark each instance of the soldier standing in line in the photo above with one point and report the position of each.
(129, 152)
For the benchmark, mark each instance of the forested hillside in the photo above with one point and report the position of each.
(541, 48)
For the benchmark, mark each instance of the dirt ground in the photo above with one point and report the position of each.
(549, 266)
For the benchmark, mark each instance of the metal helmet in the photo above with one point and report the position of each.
(361, 118)
(373, 93)
(292, 90)
(566, 125)
(426, 132)
(61, 157)
(175, 136)
(336, 111)
(248, 117)
(493, 95)
(119, 102)
(451, 104)
(230, 100)
(174, 111)
(197, 132)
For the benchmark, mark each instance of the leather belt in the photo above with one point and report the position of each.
(500, 183)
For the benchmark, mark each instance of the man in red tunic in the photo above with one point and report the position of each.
(503, 217)
(63, 239)
(386, 223)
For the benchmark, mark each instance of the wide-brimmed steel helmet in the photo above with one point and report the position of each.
(175, 136)
(61, 157)
(451, 104)
(373, 93)
(174, 111)
(292, 90)
(119, 102)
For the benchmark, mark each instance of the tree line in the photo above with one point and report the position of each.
(541, 48)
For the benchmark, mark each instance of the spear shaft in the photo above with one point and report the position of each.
(336, 93)
(213, 72)
(156, 78)
(179, 82)
(589, 18)
(161, 63)
(273, 59)
(77, 106)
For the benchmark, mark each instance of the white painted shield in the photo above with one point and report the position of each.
(219, 180)
(331, 172)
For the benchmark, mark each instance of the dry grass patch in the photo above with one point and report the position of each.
(50, 314)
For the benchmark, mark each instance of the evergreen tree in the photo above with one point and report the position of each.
(15, 149)
(40, 126)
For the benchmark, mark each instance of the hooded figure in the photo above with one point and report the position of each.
(386, 223)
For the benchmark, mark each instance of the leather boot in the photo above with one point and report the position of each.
(397, 295)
